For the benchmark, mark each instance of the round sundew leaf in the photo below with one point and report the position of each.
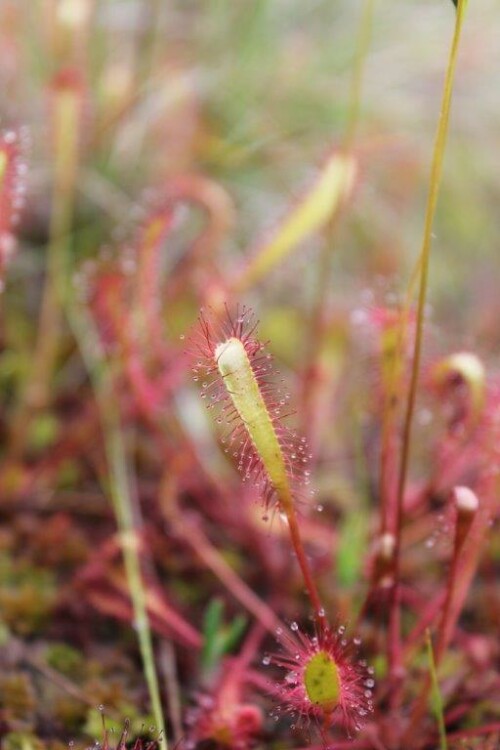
(321, 680)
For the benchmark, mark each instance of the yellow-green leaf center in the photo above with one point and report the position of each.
(321, 679)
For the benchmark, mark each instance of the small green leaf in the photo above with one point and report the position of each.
(219, 639)
(212, 622)
(352, 543)
(233, 633)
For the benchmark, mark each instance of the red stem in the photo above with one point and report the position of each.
(194, 536)
(312, 591)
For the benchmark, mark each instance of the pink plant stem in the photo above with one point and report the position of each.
(194, 536)
(147, 289)
(463, 568)
(387, 467)
(250, 646)
(209, 197)
(117, 594)
(450, 610)
(296, 539)
(168, 668)
(426, 619)
(420, 705)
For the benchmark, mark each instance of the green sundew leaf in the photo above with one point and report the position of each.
(212, 622)
(330, 191)
(436, 701)
(244, 390)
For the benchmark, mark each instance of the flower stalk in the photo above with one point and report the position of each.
(420, 274)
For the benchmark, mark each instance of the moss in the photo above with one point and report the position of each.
(18, 700)
(65, 659)
(22, 741)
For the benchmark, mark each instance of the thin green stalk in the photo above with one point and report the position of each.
(123, 502)
(437, 700)
(422, 272)
(362, 48)
(123, 506)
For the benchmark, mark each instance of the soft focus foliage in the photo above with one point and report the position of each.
(158, 159)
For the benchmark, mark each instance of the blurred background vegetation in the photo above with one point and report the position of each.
(253, 94)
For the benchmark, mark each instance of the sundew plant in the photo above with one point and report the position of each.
(249, 376)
